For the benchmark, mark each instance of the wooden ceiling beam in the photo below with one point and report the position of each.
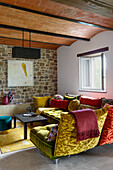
(55, 16)
(42, 32)
(33, 41)
(35, 37)
(17, 42)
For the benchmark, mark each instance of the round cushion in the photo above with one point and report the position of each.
(73, 105)
(5, 122)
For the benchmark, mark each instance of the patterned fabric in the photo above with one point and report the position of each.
(41, 101)
(41, 109)
(90, 101)
(104, 101)
(84, 106)
(68, 96)
(52, 134)
(66, 143)
(110, 106)
(57, 97)
(74, 105)
(61, 104)
(54, 114)
(107, 133)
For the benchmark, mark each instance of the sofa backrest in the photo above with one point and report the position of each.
(66, 143)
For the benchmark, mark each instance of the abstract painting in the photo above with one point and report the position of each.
(20, 73)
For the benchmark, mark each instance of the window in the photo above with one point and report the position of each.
(92, 72)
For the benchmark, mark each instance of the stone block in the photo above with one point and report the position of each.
(2, 50)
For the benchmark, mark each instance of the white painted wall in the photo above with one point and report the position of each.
(68, 64)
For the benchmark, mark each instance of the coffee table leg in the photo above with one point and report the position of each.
(31, 123)
(25, 130)
(14, 122)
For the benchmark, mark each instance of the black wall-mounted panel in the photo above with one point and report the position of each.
(24, 52)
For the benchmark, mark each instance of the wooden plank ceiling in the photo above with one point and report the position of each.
(47, 24)
(101, 7)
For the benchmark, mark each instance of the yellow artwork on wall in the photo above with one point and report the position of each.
(20, 73)
(24, 68)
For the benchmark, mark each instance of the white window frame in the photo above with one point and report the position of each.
(103, 73)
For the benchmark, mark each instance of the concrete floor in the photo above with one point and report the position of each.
(98, 158)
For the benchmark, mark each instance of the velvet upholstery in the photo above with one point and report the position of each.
(104, 101)
(61, 104)
(5, 123)
(38, 136)
(90, 101)
(70, 97)
(41, 101)
(74, 105)
(66, 141)
(84, 106)
(107, 133)
(53, 116)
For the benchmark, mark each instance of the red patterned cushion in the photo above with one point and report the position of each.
(90, 101)
(61, 104)
(107, 133)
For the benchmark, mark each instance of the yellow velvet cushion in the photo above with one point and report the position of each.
(73, 105)
(41, 101)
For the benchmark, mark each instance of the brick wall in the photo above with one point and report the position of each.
(45, 75)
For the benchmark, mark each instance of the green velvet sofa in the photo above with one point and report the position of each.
(38, 136)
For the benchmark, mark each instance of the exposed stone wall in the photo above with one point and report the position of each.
(45, 75)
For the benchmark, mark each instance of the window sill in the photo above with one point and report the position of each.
(95, 91)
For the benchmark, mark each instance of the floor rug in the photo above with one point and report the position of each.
(13, 139)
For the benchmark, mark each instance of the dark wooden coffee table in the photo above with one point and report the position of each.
(30, 119)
